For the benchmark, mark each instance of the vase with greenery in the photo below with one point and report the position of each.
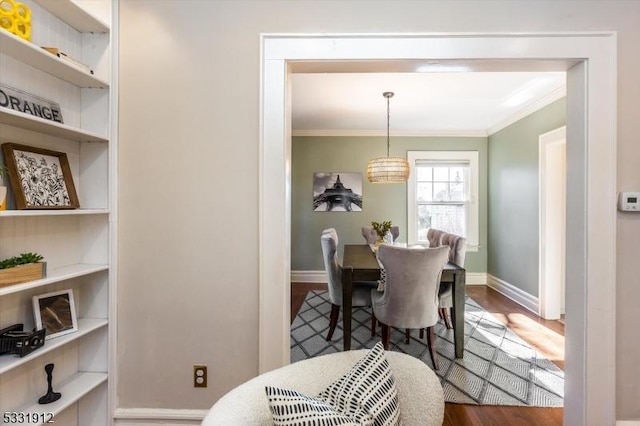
(382, 229)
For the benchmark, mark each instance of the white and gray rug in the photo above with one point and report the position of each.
(498, 367)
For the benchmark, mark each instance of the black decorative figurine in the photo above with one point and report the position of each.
(51, 396)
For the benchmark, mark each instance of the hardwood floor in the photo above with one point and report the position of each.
(546, 336)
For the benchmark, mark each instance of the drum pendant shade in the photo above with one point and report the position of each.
(388, 169)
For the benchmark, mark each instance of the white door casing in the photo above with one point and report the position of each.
(591, 190)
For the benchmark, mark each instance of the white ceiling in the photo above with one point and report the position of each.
(425, 103)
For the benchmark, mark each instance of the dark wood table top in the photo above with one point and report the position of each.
(362, 258)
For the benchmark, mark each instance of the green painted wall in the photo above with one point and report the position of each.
(380, 202)
(513, 239)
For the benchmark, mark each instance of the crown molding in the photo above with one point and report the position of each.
(397, 133)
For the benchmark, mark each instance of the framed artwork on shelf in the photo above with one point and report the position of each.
(40, 178)
(56, 313)
(338, 192)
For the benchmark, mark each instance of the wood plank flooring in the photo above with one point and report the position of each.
(546, 336)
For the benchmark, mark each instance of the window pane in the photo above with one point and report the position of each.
(440, 191)
(441, 174)
(449, 218)
(456, 191)
(424, 173)
(424, 191)
(456, 174)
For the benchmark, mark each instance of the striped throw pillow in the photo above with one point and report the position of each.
(369, 386)
(291, 408)
(365, 396)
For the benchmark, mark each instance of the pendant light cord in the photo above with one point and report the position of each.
(388, 95)
(388, 119)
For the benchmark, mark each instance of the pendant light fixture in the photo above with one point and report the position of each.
(388, 169)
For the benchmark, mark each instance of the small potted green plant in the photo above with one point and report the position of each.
(3, 189)
(25, 267)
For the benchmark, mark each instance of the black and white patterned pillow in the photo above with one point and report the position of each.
(291, 408)
(365, 396)
(368, 386)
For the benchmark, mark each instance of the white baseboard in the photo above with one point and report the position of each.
(514, 293)
(628, 423)
(313, 277)
(158, 416)
(476, 278)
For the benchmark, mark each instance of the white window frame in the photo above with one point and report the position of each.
(473, 216)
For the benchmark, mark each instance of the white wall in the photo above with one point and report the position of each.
(189, 96)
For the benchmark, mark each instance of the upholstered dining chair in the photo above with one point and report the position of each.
(361, 290)
(371, 236)
(457, 252)
(410, 296)
(434, 236)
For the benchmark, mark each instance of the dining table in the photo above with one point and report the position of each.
(359, 263)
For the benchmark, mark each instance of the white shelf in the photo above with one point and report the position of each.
(45, 212)
(85, 326)
(39, 58)
(82, 26)
(72, 390)
(54, 276)
(69, 12)
(48, 127)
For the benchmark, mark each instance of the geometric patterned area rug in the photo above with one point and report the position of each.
(498, 367)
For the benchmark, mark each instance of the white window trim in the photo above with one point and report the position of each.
(473, 218)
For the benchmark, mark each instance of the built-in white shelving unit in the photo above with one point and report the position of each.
(78, 245)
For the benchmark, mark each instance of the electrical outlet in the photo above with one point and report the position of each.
(199, 376)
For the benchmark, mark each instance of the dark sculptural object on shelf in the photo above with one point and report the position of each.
(51, 396)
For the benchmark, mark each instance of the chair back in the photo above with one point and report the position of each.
(410, 298)
(434, 236)
(371, 236)
(329, 242)
(458, 248)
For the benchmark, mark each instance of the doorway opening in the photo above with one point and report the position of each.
(591, 164)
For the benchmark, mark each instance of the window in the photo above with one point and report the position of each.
(443, 194)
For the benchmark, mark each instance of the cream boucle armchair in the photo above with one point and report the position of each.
(419, 392)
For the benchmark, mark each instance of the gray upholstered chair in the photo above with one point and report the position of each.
(457, 251)
(434, 236)
(371, 236)
(410, 297)
(361, 290)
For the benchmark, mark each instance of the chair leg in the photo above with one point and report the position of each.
(444, 314)
(431, 345)
(386, 336)
(333, 320)
(422, 333)
(407, 335)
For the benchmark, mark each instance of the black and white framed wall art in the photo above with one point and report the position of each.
(337, 192)
(40, 178)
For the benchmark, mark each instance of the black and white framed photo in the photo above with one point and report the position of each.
(40, 178)
(337, 192)
(56, 313)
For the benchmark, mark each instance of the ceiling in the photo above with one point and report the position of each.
(434, 103)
